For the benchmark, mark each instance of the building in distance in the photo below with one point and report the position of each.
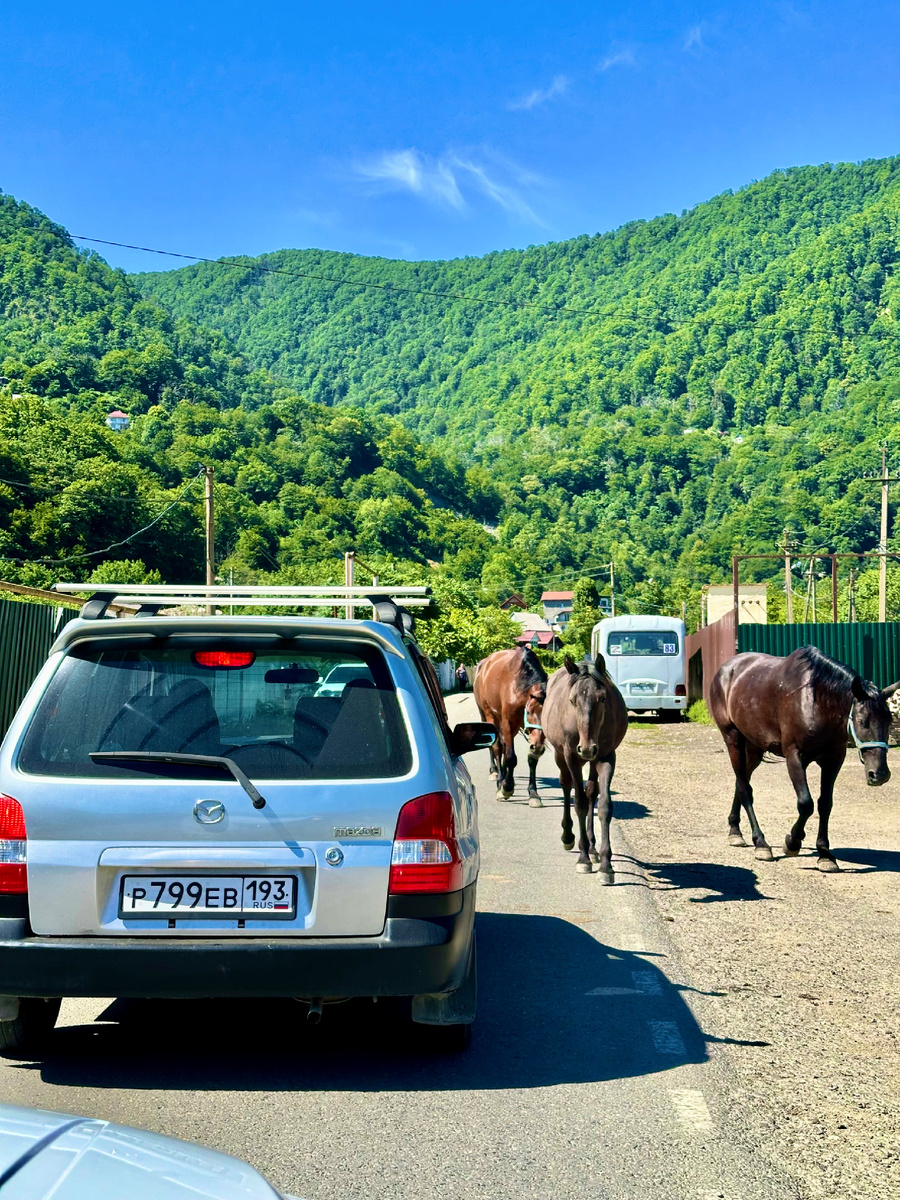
(118, 421)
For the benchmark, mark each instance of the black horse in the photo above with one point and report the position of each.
(803, 708)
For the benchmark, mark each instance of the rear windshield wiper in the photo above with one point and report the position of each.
(124, 757)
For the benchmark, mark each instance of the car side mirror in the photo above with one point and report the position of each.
(473, 735)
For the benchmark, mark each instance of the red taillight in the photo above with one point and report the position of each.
(680, 689)
(13, 871)
(224, 658)
(426, 854)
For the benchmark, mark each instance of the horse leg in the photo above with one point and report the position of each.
(590, 791)
(745, 758)
(797, 774)
(826, 797)
(534, 799)
(582, 807)
(604, 814)
(735, 837)
(506, 780)
(565, 782)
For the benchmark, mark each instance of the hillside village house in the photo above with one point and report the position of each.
(557, 609)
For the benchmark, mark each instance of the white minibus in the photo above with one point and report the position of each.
(645, 658)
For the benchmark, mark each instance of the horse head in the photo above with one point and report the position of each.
(534, 705)
(869, 728)
(587, 695)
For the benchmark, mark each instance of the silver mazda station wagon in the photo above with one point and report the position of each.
(185, 814)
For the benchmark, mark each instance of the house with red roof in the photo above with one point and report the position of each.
(557, 608)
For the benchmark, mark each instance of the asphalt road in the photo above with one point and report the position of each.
(588, 1074)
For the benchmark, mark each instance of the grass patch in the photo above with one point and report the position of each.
(699, 713)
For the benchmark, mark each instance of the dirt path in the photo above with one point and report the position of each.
(806, 965)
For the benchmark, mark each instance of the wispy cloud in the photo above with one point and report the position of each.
(454, 179)
(311, 216)
(408, 170)
(619, 58)
(694, 38)
(558, 85)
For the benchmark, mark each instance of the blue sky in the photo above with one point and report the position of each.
(421, 130)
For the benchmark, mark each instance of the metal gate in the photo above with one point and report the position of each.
(26, 635)
(870, 647)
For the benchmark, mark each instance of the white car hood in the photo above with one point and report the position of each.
(46, 1154)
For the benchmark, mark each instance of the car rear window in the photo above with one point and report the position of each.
(274, 707)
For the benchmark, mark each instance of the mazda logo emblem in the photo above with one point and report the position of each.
(209, 812)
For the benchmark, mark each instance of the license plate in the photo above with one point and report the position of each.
(204, 897)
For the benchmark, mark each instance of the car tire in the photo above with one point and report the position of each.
(29, 1032)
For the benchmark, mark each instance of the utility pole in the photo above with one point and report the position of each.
(787, 546)
(851, 599)
(884, 479)
(612, 590)
(882, 544)
(209, 472)
(349, 571)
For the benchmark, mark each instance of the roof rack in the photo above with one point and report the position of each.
(389, 604)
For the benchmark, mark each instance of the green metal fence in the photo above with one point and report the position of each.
(26, 635)
(871, 648)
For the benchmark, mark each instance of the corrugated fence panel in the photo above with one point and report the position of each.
(27, 632)
(705, 651)
(870, 647)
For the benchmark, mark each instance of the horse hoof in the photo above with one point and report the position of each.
(736, 839)
(503, 796)
(788, 851)
(583, 868)
(827, 865)
(764, 854)
(535, 802)
(507, 793)
(606, 877)
(594, 856)
(568, 846)
(492, 774)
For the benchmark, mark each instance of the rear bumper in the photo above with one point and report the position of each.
(654, 703)
(424, 948)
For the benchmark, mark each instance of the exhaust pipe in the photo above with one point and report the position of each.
(314, 1013)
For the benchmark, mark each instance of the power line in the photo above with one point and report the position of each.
(463, 296)
(114, 545)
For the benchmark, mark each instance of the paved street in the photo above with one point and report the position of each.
(588, 1074)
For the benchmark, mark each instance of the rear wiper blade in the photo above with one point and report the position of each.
(123, 757)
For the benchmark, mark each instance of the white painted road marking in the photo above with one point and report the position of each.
(666, 1038)
(645, 984)
(691, 1111)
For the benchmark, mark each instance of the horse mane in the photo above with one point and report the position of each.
(587, 670)
(530, 670)
(831, 677)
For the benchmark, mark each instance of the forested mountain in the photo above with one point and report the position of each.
(727, 372)
(297, 482)
(674, 392)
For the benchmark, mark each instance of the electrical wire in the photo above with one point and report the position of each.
(114, 545)
(463, 296)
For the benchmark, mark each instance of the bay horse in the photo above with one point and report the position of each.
(509, 688)
(585, 719)
(801, 708)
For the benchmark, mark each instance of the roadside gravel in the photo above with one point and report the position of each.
(801, 968)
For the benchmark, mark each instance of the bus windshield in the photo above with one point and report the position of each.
(643, 644)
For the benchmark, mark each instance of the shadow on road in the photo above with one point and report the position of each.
(724, 882)
(537, 1027)
(869, 860)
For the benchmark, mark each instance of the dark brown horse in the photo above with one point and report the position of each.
(584, 720)
(801, 708)
(509, 688)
